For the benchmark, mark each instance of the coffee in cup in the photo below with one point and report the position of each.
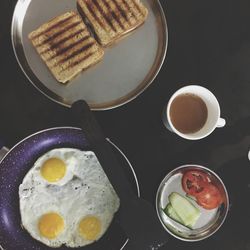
(188, 113)
(193, 112)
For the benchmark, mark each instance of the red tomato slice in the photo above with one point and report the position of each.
(194, 181)
(210, 197)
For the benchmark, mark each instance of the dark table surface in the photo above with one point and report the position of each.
(209, 44)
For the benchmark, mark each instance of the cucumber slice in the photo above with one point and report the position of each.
(188, 213)
(170, 212)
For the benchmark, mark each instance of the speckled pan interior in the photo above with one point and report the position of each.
(14, 167)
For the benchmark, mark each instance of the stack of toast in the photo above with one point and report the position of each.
(65, 43)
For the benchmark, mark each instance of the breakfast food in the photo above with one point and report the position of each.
(66, 198)
(196, 194)
(198, 184)
(188, 113)
(66, 46)
(182, 210)
(112, 19)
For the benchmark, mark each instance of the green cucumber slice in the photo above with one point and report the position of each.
(170, 212)
(188, 213)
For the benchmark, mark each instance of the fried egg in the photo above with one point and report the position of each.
(66, 198)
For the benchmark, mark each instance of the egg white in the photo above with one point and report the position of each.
(85, 190)
(67, 155)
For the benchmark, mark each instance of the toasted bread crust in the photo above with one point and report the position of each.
(111, 19)
(66, 46)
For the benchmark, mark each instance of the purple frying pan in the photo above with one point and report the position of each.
(16, 163)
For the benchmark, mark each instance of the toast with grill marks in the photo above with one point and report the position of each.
(111, 19)
(66, 46)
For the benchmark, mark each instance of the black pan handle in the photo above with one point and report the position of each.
(102, 149)
(137, 217)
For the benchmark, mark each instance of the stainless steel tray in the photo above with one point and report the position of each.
(127, 69)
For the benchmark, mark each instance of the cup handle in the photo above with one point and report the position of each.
(221, 123)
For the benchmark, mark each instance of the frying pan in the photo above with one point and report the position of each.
(16, 164)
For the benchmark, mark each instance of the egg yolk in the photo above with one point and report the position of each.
(90, 227)
(51, 225)
(53, 170)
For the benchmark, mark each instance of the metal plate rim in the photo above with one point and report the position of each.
(118, 102)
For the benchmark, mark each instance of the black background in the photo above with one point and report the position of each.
(209, 45)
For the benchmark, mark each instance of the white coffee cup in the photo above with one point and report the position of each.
(213, 119)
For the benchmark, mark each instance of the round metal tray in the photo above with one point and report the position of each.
(128, 67)
(210, 220)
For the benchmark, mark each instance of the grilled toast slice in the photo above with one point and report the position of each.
(66, 46)
(111, 19)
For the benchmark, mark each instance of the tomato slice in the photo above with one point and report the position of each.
(194, 181)
(210, 197)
